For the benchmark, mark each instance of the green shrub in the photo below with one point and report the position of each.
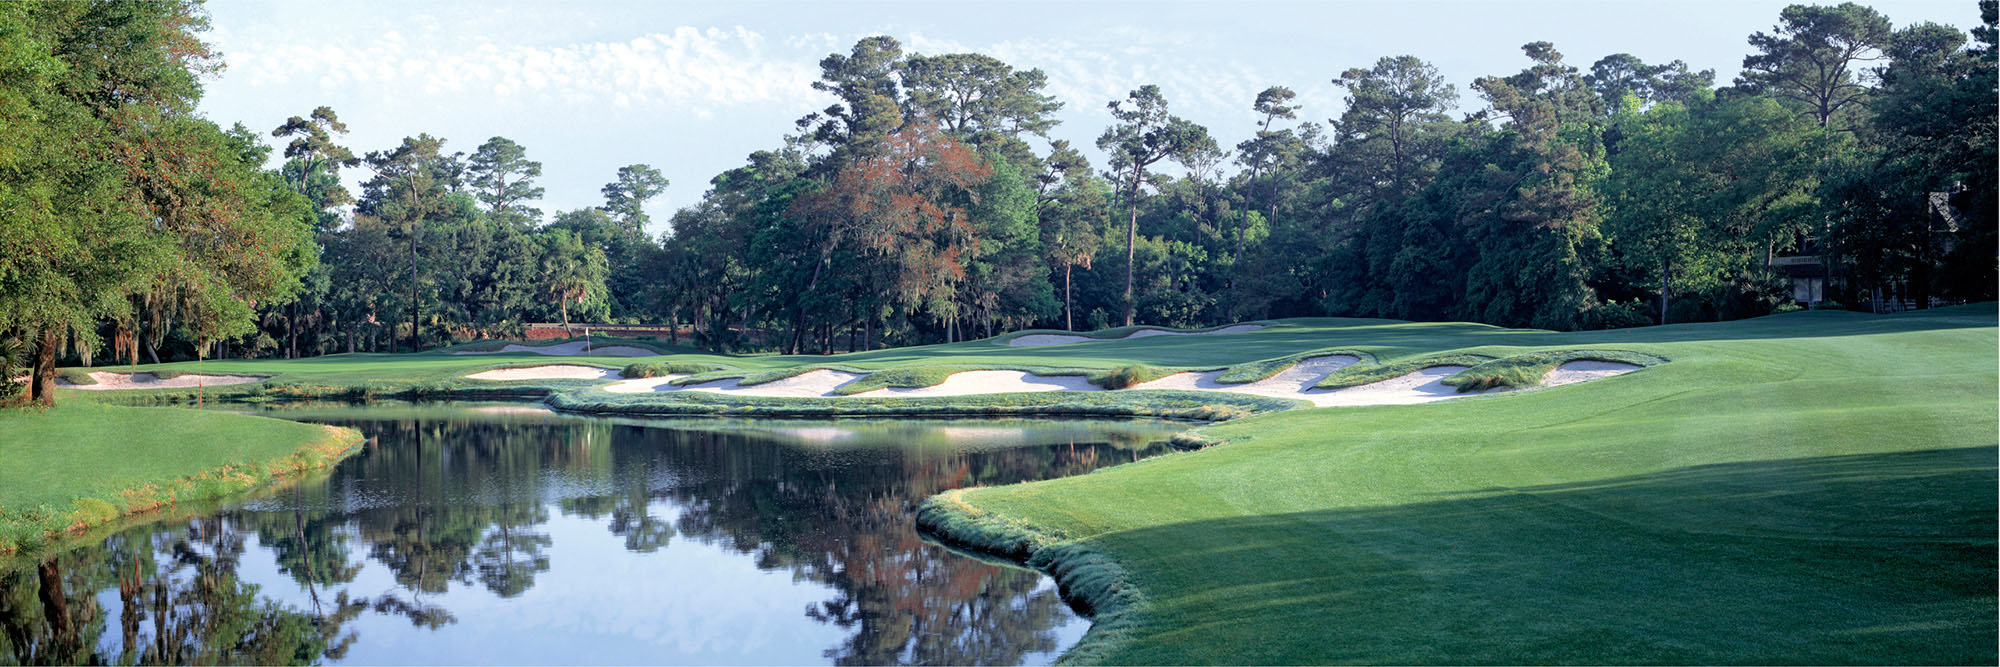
(1787, 307)
(12, 353)
(1828, 304)
(1135, 374)
(1616, 315)
(658, 368)
(1191, 440)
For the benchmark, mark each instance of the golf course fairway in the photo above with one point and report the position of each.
(1807, 488)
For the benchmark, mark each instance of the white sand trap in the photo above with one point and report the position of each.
(1038, 340)
(1424, 386)
(555, 372)
(643, 385)
(820, 382)
(1582, 371)
(150, 381)
(570, 349)
(1292, 382)
(966, 383)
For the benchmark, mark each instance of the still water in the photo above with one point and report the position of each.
(486, 534)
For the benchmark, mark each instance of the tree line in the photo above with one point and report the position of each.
(1850, 163)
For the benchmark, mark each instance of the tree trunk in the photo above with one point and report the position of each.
(1069, 306)
(416, 342)
(798, 330)
(42, 387)
(1131, 250)
(1664, 268)
(55, 604)
(1243, 227)
(1825, 259)
(128, 606)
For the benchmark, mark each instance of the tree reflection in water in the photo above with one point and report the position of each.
(452, 501)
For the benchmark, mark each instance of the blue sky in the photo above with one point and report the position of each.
(691, 89)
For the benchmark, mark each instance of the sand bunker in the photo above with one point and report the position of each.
(1581, 371)
(150, 381)
(1038, 340)
(1423, 386)
(808, 384)
(966, 383)
(1294, 382)
(570, 349)
(556, 372)
(643, 385)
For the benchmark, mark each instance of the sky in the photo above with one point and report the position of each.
(692, 88)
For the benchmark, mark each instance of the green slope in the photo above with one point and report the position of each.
(81, 464)
(1813, 488)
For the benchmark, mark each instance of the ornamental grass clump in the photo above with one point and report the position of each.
(1128, 376)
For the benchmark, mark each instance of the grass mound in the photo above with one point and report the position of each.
(1527, 370)
(1365, 372)
(1263, 370)
(82, 464)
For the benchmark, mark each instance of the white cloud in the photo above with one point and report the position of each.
(685, 68)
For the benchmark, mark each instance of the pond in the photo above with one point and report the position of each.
(499, 534)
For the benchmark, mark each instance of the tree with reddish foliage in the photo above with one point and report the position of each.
(906, 207)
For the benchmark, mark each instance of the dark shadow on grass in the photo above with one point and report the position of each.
(1877, 559)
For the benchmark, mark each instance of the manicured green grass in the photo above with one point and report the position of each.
(81, 464)
(1805, 488)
